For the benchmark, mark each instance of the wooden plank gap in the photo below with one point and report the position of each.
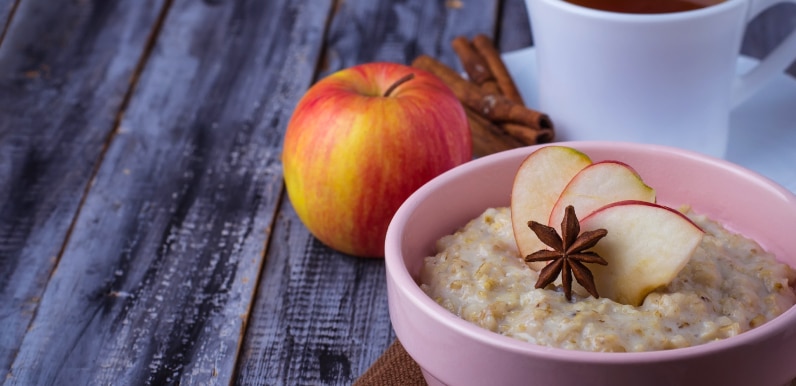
(8, 20)
(59, 131)
(497, 16)
(139, 67)
(496, 30)
(322, 65)
(281, 201)
(112, 133)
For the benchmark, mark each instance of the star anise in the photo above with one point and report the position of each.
(568, 254)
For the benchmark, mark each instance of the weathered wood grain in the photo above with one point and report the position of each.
(157, 278)
(65, 67)
(6, 11)
(363, 31)
(321, 317)
(514, 28)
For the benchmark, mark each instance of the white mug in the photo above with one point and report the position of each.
(667, 78)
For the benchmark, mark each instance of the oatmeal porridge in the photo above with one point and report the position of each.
(730, 285)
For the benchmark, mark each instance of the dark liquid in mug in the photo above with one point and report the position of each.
(645, 6)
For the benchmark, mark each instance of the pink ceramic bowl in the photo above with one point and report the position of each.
(454, 352)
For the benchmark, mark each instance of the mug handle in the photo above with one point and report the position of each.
(774, 63)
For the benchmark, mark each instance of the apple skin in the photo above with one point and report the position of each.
(600, 184)
(646, 247)
(538, 184)
(351, 156)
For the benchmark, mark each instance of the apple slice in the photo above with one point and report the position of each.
(600, 184)
(646, 247)
(539, 182)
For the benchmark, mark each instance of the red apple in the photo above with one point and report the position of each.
(538, 184)
(597, 185)
(363, 139)
(646, 247)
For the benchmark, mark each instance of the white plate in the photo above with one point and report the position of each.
(762, 129)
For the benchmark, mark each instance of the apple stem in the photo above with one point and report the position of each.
(399, 82)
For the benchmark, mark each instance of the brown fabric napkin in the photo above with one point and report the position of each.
(396, 368)
(393, 368)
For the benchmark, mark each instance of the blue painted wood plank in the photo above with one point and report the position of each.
(65, 68)
(156, 281)
(320, 316)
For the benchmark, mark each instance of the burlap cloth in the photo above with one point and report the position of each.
(393, 368)
(396, 368)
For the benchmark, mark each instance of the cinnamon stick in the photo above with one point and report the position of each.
(493, 107)
(487, 137)
(544, 134)
(483, 45)
(483, 73)
(474, 64)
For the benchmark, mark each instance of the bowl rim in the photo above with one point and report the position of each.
(397, 271)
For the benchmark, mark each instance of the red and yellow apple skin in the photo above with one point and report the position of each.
(351, 156)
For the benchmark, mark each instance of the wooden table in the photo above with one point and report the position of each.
(145, 236)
